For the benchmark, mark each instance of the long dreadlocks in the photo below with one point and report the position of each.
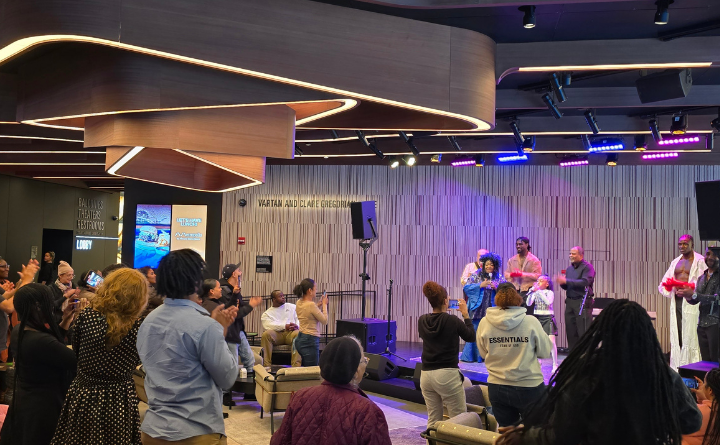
(618, 370)
(712, 433)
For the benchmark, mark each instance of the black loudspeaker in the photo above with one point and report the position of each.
(371, 332)
(669, 84)
(360, 212)
(380, 368)
(416, 375)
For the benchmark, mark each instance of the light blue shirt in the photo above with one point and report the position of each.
(187, 364)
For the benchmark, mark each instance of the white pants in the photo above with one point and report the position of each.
(442, 387)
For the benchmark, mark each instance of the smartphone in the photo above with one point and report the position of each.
(691, 383)
(454, 304)
(94, 280)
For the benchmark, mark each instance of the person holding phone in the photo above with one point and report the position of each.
(88, 284)
(706, 393)
(311, 316)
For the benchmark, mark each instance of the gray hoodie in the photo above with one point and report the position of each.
(511, 342)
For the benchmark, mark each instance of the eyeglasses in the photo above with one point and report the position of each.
(71, 275)
(4, 266)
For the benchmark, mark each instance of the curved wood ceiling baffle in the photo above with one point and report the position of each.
(94, 63)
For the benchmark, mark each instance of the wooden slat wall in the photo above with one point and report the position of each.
(433, 219)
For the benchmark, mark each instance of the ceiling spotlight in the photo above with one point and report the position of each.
(366, 143)
(479, 161)
(551, 106)
(592, 123)
(655, 130)
(463, 162)
(607, 144)
(410, 160)
(682, 140)
(640, 142)
(566, 78)
(409, 142)
(661, 155)
(586, 142)
(436, 158)
(612, 160)
(513, 158)
(454, 143)
(716, 122)
(334, 134)
(298, 150)
(679, 124)
(529, 18)
(710, 141)
(519, 139)
(662, 15)
(574, 162)
(557, 88)
(394, 162)
(528, 144)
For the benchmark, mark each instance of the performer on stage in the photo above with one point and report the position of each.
(523, 269)
(578, 280)
(706, 293)
(471, 268)
(480, 290)
(686, 268)
(541, 297)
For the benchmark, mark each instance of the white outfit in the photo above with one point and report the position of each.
(275, 318)
(543, 300)
(690, 351)
(470, 269)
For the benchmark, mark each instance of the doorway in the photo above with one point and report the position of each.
(58, 241)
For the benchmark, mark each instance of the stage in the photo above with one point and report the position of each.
(403, 387)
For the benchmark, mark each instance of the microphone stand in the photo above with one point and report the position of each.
(365, 245)
(388, 337)
(582, 306)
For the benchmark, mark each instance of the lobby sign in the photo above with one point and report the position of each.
(90, 217)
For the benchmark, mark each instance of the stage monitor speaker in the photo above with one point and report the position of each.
(380, 368)
(371, 332)
(360, 212)
(416, 375)
(669, 84)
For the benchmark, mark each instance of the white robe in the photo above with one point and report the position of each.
(690, 351)
(470, 269)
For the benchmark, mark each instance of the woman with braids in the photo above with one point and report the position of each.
(614, 388)
(101, 405)
(709, 433)
(311, 316)
(43, 367)
(480, 289)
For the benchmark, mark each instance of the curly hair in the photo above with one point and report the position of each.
(435, 294)
(121, 298)
(507, 296)
(495, 259)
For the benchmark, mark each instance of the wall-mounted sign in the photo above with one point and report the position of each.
(263, 264)
(189, 227)
(305, 203)
(241, 240)
(90, 218)
(83, 244)
(33, 252)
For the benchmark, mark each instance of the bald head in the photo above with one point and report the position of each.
(577, 254)
(480, 253)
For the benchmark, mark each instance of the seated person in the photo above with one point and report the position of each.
(709, 433)
(281, 326)
(336, 411)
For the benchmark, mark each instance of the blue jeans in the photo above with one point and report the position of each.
(308, 346)
(243, 351)
(510, 403)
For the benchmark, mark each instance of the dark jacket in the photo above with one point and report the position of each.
(58, 300)
(706, 293)
(331, 414)
(441, 334)
(579, 276)
(231, 299)
(48, 273)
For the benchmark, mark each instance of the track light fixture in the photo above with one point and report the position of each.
(529, 17)
(710, 141)
(436, 158)
(528, 144)
(366, 143)
(454, 143)
(394, 162)
(334, 134)
(298, 150)
(612, 160)
(566, 78)
(679, 124)
(662, 15)
(716, 122)
(586, 142)
(409, 160)
(551, 106)
(519, 139)
(591, 121)
(557, 88)
(479, 161)
(655, 130)
(409, 142)
(641, 142)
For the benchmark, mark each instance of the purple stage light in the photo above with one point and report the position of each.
(660, 155)
(463, 163)
(682, 140)
(574, 163)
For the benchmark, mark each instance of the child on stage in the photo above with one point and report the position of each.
(542, 295)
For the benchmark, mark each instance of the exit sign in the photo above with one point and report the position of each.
(241, 240)
(83, 244)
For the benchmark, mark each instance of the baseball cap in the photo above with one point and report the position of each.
(229, 269)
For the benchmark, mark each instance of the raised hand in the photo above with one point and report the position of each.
(255, 301)
(7, 286)
(27, 273)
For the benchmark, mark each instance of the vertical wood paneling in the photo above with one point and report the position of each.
(432, 220)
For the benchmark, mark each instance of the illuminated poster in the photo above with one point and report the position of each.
(189, 226)
(152, 234)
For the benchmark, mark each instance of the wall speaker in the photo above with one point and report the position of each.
(380, 368)
(360, 212)
(669, 84)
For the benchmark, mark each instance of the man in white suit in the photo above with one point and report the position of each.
(688, 267)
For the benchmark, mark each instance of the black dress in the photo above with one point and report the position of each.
(101, 406)
(44, 374)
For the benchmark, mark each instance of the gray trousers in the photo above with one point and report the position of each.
(442, 387)
(575, 324)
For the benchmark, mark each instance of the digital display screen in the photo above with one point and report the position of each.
(152, 234)
(189, 226)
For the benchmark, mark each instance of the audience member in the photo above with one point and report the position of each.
(101, 405)
(112, 268)
(541, 298)
(185, 378)
(230, 282)
(236, 339)
(348, 416)
(211, 294)
(44, 367)
(441, 381)
(311, 316)
(86, 291)
(706, 293)
(4, 272)
(154, 300)
(709, 433)
(614, 388)
(48, 271)
(281, 326)
(511, 343)
(63, 289)
(7, 292)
